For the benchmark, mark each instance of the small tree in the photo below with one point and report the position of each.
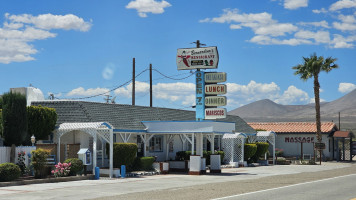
(14, 116)
(41, 121)
(1, 126)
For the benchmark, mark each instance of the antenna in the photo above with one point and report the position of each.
(113, 100)
(107, 99)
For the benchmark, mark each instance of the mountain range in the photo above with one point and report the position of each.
(268, 111)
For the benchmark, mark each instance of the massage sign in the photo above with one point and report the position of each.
(208, 92)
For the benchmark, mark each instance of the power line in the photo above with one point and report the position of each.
(96, 95)
(170, 77)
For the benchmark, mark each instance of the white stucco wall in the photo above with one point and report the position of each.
(292, 147)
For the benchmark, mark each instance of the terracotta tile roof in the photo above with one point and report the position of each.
(292, 127)
(343, 134)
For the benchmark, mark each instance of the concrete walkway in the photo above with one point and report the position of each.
(106, 188)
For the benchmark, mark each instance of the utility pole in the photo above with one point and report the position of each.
(198, 46)
(133, 81)
(150, 85)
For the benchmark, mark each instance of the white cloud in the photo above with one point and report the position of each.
(346, 87)
(89, 92)
(260, 23)
(108, 71)
(323, 24)
(180, 92)
(49, 21)
(322, 10)
(295, 4)
(341, 4)
(293, 95)
(340, 41)
(268, 31)
(239, 95)
(266, 40)
(19, 31)
(319, 36)
(148, 6)
(348, 23)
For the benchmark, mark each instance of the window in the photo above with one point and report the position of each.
(156, 144)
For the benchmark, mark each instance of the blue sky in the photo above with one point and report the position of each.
(80, 48)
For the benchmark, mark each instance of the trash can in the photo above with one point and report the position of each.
(97, 173)
(123, 171)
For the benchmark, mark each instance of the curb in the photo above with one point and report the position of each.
(47, 180)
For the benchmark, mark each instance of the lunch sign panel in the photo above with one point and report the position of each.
(215, 89)
(197, 58)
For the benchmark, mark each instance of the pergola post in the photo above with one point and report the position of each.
(192, 143)
(111, 152)
(212, 145)
(94, 151)
(59, 149)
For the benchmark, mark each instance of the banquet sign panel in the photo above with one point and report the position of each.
(197, 58)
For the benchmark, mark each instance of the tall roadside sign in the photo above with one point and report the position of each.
(212, 98)
(207, 89)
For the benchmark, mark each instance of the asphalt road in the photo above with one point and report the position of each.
(231, 182)
(337, 188)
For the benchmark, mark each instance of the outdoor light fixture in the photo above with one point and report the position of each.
(33, 140)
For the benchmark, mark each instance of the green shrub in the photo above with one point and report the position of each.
(76, 166)
(9, 172)
(39, 162)
(183, 155)
(124, 154)
(146, 163)
(206, 155)
(262, 148)
(249, 151)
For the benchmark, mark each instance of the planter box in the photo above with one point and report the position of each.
(263, 162)
(179, 166)
(195, 165)
(215, 165)
(162, 167)
(105, 172)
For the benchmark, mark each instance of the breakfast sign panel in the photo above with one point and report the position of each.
(197, 58)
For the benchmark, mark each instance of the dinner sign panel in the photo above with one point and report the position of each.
(197, 58)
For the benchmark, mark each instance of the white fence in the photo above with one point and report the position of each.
(5, 153)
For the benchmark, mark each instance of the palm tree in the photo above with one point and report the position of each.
(311, 67)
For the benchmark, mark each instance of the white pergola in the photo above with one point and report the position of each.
(102, 129)
(194, 129)
(265, 136)
(233, 147)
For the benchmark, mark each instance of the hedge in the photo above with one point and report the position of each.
(124, 154)
(9, 172)
(76, 166)
(185, 155)
(249, 151)
(262, 148)
(146, 163)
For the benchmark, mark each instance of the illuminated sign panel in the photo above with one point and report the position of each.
(215, 89)
(215, 113)
(197, 58)
(215, 101)
(215, 77)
